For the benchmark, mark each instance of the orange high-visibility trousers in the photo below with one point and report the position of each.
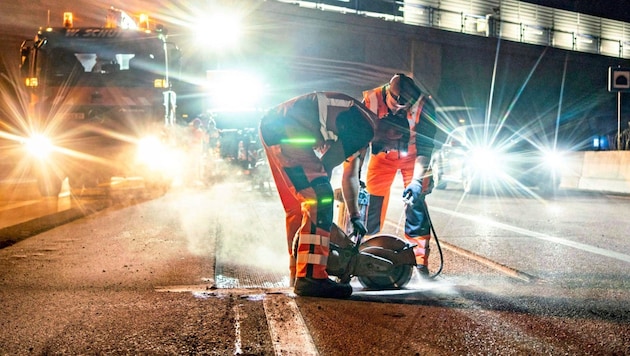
(381, 172)
(307, 198)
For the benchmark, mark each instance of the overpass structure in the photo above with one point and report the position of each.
(483, 61)
(507, 19)
(474, 76)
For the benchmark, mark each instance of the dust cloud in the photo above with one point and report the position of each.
(242, 222)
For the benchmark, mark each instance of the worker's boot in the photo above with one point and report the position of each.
(323, 288)
(423, 271)
(421, 250)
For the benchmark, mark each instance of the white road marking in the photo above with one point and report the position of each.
(537, 235)
(237, 330)
(289, 334)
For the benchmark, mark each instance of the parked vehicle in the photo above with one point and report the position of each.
(101, 102)
(483, 158)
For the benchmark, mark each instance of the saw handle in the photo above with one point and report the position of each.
(359, 238)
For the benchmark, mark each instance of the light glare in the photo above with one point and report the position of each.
(39, 146)
(219, 31)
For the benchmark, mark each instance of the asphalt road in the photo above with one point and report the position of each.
(200, 271)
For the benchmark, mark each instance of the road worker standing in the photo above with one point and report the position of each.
(401, 98)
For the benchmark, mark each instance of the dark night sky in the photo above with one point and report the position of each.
(610, 9)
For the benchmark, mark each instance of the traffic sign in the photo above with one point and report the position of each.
(618, 79)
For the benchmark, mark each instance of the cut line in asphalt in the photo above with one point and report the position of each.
(289, 333)
(287, 330)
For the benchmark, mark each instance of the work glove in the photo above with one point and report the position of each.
(418, 188)
(358, 226)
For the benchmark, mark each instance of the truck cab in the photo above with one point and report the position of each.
(96, 93)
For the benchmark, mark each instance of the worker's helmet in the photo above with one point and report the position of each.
(404, 89)
(196, 123)
(355, 130)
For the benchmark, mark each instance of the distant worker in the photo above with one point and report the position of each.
(197, 141)
(304, 139)
(197, 134)
(213, 134)
(402, 98)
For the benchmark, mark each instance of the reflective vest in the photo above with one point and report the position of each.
(311, 119)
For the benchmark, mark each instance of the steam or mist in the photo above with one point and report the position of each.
(245, 221)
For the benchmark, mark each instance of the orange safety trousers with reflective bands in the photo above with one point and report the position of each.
(307, 198)
(382, 169)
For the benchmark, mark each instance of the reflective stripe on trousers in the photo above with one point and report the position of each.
(301, 208)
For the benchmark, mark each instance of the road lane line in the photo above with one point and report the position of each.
(237, 330)
(289, 334)
(537, 235)
(509, 271)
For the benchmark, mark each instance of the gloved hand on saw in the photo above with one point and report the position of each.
(419, 188)
(358, 226)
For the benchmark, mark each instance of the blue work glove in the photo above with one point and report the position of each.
(418, 188)
(358, 226)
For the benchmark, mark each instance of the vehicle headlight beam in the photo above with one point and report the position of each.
(39, 146)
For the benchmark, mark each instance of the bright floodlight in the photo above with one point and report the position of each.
(219, 30)
(553, 159)
(486, 159)
(229, 90)
(157, 156)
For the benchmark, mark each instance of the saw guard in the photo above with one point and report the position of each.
(340, 238)
(378, 275)
(391, 247)
(380, 262)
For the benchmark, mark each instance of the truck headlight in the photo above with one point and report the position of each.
(150, 151)
(39, 146)
(158, 156)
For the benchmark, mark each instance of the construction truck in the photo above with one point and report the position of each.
(102, 102)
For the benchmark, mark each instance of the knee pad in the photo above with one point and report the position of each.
(325, 202)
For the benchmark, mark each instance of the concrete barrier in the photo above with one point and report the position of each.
(606, 171)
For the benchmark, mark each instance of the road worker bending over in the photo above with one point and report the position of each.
(304, 139)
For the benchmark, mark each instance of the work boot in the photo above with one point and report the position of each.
(423, 271)
(324, 288)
